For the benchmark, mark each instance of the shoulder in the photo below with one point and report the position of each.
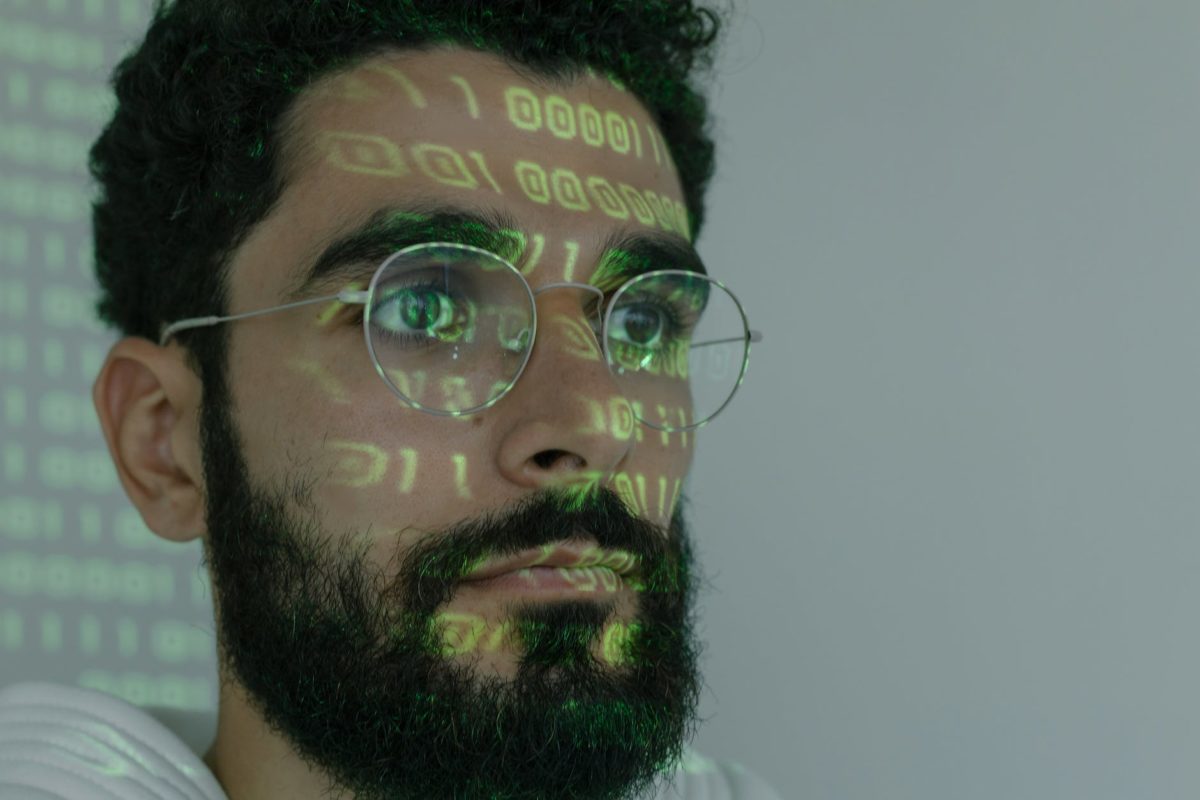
(61, 742)
(698, 777)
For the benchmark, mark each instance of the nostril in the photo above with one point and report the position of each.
(547, 458)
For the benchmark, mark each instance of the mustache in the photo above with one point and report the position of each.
(434, 567)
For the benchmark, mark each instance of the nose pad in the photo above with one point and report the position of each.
(518, 343)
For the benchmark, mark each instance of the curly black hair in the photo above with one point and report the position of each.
(195, 154)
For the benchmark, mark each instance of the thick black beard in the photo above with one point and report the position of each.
(344, 663)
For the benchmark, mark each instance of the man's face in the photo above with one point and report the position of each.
(341, 520)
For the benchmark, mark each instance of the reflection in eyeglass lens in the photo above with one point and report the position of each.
(462, 319)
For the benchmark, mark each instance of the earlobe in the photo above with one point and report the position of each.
(142, 396)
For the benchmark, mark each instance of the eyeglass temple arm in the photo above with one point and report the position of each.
(755, 336)
(348, 296)
(345, 296)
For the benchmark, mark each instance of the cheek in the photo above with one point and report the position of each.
(394, 465)
(275, 404)
(384, 455)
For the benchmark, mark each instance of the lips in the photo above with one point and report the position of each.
(562, 555)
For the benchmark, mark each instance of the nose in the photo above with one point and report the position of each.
(561, 405)
(595, 319)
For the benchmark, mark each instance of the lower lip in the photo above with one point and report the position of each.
(555, 580)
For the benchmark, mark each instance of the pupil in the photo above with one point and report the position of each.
(641, 326)
(419, 310)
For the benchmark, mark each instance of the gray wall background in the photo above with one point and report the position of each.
(950, 516)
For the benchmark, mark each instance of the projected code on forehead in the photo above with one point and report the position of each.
(622, 134)
(526, 111)
(375, 155)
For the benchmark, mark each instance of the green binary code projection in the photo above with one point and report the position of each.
(88, 595)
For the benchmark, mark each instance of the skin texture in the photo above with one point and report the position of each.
(322, 588)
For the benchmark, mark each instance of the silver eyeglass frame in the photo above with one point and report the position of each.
(354, 297)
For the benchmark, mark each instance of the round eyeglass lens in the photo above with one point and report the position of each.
(449, 326)
(677, 343)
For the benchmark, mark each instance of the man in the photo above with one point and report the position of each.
(389, 355)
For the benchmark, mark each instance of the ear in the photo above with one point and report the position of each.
(148, 400)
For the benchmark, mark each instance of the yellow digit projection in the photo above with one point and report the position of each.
(580, 488)
(414, 94)
(618, 422)
(591, 127)
(560, 117)
(616, 642)
(363, 464)
(618, 132)
(444, 165)
(524, 110)
(635, 499)
(623, 486)
(640, 413)
(666, 504)
(460, 632)
(664, 415)
(568, 190)
(454, 389)
(363, 153)
(609, 581)
(409, 474)
(460, 475)
(640, 480)
(400, 378)
(623, 421)
(666, 435)
(637, 203)
(498, 637)
(539, 244)
(683, 421)
(585, 579)
(599, 423)
(572, 248)
(469, 93)
(685, 225)
(331, 386)
(532, 180)
(477, 157)
(665, 216)
(606, 198)
(580, 340)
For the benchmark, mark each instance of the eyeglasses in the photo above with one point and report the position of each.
(451, 327)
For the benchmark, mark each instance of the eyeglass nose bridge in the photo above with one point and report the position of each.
(575, 285)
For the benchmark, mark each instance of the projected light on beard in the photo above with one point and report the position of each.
(343, 658)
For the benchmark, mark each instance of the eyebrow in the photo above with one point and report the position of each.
(355, 255)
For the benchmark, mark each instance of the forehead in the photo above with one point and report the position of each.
(578, 160)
